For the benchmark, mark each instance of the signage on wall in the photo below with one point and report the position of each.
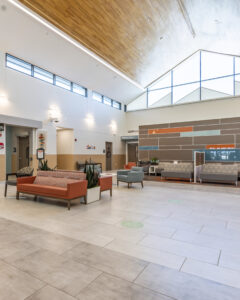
(1, 146)
(41, 139)
(90, 147)
(40, 153)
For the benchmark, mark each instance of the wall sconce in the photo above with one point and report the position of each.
(113, 127)
(54, 114)
(90, 120)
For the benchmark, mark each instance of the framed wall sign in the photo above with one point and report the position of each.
(40, 153)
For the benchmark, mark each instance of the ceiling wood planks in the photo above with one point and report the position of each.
(124, 33)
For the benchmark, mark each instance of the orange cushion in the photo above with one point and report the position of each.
(53, 181)
(45, 190)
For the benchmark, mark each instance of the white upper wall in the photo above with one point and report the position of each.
(204, 110)
(30, 98)
(23, 36)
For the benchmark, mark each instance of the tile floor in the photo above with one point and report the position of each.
(186, 245)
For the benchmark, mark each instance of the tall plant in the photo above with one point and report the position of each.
(44, 166)
(92, 177)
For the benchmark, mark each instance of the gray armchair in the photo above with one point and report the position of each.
(134, 175)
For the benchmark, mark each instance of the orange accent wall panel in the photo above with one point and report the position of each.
(170, 130)
(220, 146)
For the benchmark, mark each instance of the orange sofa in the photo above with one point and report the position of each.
(129, 165)
(54, 184)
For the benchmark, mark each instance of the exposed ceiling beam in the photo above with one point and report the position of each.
(186, 17)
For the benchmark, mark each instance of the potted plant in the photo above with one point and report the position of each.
(93, 189)
(154, 161)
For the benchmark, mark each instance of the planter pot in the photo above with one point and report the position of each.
(93, 194)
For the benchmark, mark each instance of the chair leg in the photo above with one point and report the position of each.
(117, 183)
(128, 184)
(5, 192)
(17, 195)
(69, 204)
(85, 199)
(100, 194)
(35, 198)
(110, 192)
(142, 184)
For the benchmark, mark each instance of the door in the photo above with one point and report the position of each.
(108, 156)
(132, 152)
(23, 153)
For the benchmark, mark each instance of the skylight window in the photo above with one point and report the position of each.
(107, 101)
(96, 96)
(79, 90)
(18, 65)
(63, 83)
(42, 74)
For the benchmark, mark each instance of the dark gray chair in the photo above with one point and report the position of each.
(26, 171)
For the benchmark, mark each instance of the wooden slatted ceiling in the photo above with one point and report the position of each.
(122, 32)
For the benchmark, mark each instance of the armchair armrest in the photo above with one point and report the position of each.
(10, 174)
(77, 189)
(28, 179)
(123, 172)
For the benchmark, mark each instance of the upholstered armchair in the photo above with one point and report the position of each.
(129, 165)
(134, 175)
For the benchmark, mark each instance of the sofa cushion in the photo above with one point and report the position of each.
(63, 174)
(213, 168)
(38, 189)
(53, 181)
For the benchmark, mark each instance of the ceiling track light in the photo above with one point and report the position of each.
(186, 17)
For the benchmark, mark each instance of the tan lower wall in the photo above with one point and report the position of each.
(68, 161)
(2, 167)
(52, 161)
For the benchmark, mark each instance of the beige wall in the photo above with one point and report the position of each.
(2, 167)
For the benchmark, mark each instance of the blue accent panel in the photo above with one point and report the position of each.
(148, 148)
(200, 133)
(221, 155)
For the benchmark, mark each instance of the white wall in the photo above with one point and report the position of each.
(211, 109)
(65, 141)
(30, 98)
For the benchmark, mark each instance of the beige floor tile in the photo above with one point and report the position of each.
(113, 288)
(181, 248)
(50, 293)
(147, 254)
(15, 284)
(215, 273)
(184, 286)
(108, 261)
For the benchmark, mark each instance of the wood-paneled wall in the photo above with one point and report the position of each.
(176, 141)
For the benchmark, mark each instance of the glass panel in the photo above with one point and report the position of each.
(64, 83)
(79, 89)
(18, 65)
(159, 97)
(43, 75)
(186, 93)
(187, 71)
(163, 82)
(97, 97)
(237, 65)
(139, 103)
(107, 101)
(237, 85)
(217, 88)
(216, 65)
(116, 105)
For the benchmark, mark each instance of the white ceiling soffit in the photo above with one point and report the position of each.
(29, 37)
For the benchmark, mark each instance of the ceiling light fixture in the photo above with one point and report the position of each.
(73, 42)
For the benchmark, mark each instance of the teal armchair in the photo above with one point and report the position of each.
(134, 175)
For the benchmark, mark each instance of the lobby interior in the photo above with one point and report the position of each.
(119, 150)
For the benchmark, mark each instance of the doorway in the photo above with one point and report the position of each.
(132, 152)
(23, 155)
(108, 156)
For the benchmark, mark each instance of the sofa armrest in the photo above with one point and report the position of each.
(27, 179)
(77, 189)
